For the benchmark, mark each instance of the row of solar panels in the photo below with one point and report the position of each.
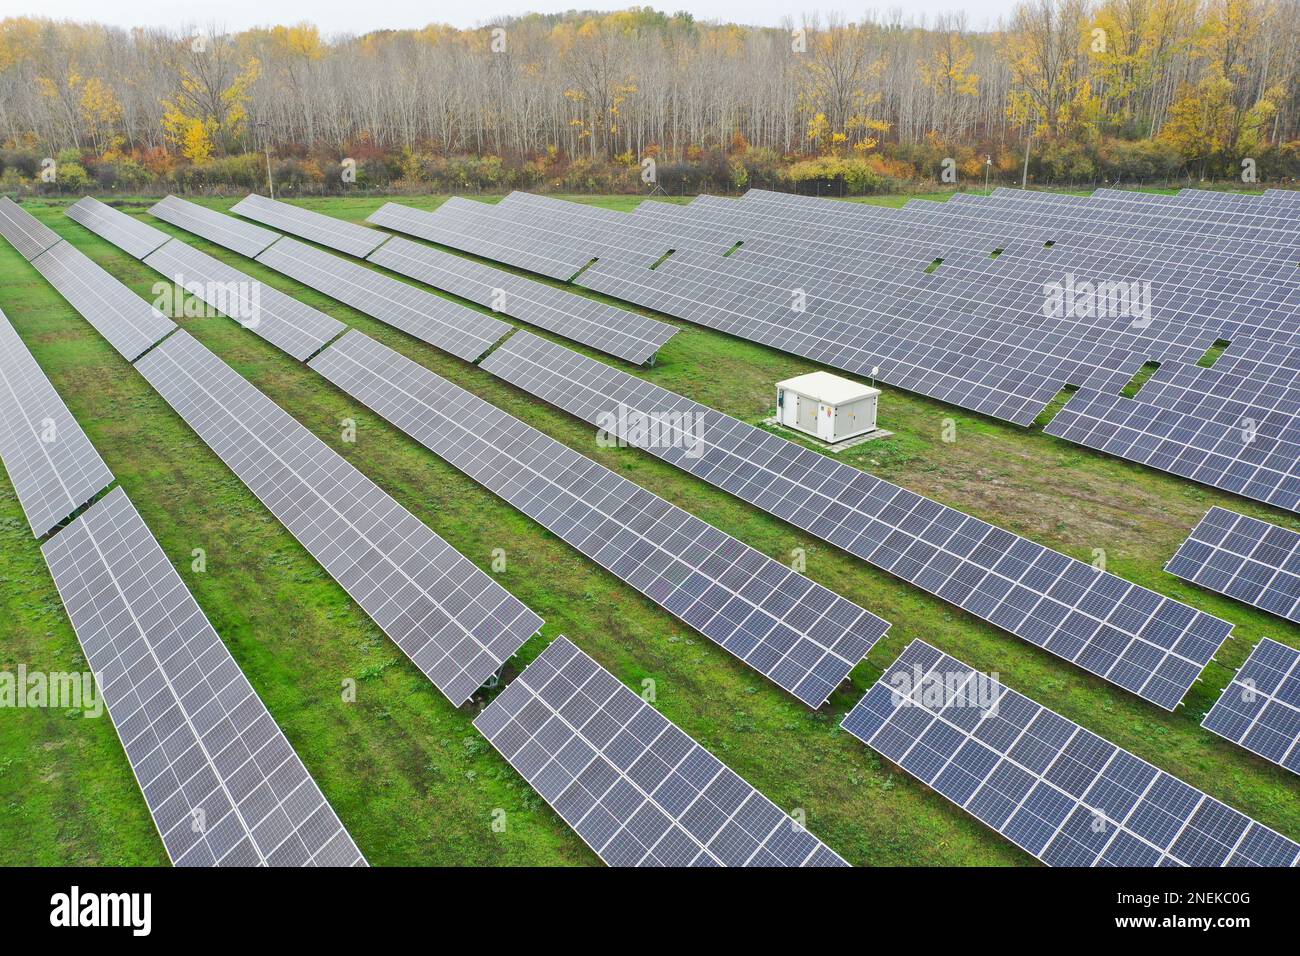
(297, 478)
(1048, 785)
(844, 284)
(222, 782)
(1245, 558)
(618, 848)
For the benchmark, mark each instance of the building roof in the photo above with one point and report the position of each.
(827, 388)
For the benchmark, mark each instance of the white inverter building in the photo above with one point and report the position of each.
(827, 406)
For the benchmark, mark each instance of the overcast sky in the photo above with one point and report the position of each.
(353, 16)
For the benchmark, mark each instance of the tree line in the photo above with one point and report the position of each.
(1143, 88)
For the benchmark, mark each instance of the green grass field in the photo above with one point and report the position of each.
(408, 774)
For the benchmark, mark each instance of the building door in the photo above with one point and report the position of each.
(808, 414)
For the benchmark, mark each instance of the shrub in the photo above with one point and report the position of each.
(72, 176)
(1066, 161)
(13, 181)
(296, 175)
(849, 174)
(25, 162)
(475, 172)
(762, 169)
(1123, 161)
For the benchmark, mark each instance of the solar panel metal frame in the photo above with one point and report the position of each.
(636, 788)
(25, 232)
(1139, 640)
(1245, 558)
(800, 635)
(223, 784)
(455, 623)
(129, 323)
(226, 231)
(129, 234)
(1061, 793)
(346, 237)
(1260, 709)
(51, 463)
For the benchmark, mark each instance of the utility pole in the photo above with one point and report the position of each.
(265, 130)
(1024, 177)
(988, 164)
(1030, 121)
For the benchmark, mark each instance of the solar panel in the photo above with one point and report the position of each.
(634, 786)
(224, 786)
(346, 237)
(430, 318)
(449, 229)
(129, 323)
(24, 231)
(1260, 709)
(1137, 639)
(615, 331)
(290, 325)
(802, 636)
(51, 463)
(1245, 558)
(450, 618)
(1057, 791)
(1233, 456)
(233, 234)
(283, 321)
(129, 234)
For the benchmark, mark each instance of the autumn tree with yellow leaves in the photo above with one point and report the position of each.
(208, 108)
(837, 84)
(1221, 119)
